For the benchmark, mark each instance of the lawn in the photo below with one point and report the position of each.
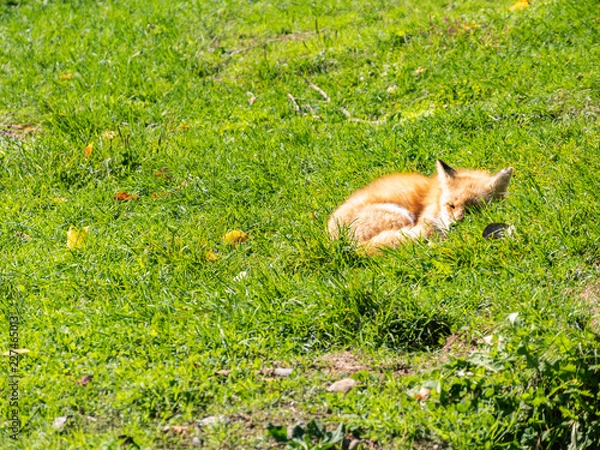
(167, 170)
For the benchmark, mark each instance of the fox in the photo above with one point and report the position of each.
(401, 207)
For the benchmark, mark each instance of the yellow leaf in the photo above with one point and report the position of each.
(235, 237)
(210, 256)
(88, 150)
(65, 76)
(521, 4)
(76, 238)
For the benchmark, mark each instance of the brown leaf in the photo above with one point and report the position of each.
(85, 380)
(223, 373)
(177, 429)
(125, 196)
(165, 173)
(22, 235)
(161, 194)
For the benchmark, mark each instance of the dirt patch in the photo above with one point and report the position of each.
(591, 294)
(344, 362)
(18, 130)
(459, 344)
(591, 297)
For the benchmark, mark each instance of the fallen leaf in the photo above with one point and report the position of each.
(177, 429)
(125, 196)
(20, 351)
(521, 4)
(161, 194)
(223, 373)
(489, 339)
(65, 76)
(22, 235)
(235, 237)
(469, 26)
(423, 394)
(251, 100)
(165, 173)
(88, 150)
(420, 70)
(85, 380)
(76, 238)
(109, 135)
(59, 200)
(210, 256)
(344, 385)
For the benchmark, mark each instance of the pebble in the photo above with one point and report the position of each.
(344, 385)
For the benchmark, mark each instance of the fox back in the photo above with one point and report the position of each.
(397, 207)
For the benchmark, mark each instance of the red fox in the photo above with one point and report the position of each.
(402, 206)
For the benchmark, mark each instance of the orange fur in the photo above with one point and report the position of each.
(400, 206)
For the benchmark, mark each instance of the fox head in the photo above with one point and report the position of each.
(462, 190)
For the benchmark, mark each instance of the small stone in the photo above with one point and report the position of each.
(283, 372)
(344, 385)
(60, 422)
(212, 421)
(196, 442)
(353, 445)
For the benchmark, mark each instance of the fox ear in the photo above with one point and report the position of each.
(500, 182)
(444, 171)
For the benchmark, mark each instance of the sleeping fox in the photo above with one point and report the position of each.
(403, 206)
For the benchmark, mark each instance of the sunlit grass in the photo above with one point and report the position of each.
(187, 109)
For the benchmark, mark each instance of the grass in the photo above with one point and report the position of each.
(464, 343)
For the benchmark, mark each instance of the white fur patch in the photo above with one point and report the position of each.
(444, 222)
(396, 209)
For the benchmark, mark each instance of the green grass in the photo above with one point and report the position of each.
(142, 308)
